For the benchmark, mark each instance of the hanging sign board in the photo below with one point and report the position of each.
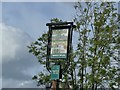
(58, 46)
(59, 43)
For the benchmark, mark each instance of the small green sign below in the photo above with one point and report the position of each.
(55, 72)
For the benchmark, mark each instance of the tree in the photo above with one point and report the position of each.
(39, 49)
(91, 65)
(97, 25)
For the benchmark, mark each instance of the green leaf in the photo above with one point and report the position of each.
(34, 77)
(103, 71)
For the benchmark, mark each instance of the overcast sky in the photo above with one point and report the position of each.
(20, 24)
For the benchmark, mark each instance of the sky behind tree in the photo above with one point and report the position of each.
(20, 24)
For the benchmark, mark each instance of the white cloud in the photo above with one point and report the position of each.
(28, 83)
(16, 59)
(19, 83)
(9, 44)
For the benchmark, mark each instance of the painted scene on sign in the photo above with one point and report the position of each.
(59, 43)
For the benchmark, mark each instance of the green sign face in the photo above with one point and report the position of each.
(55, 71)
(59, 43)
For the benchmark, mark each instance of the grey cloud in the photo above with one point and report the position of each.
(16, 61)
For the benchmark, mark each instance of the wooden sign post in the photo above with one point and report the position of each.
(58, 49)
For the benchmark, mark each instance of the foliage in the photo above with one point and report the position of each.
(38, 49)
(97, 25)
